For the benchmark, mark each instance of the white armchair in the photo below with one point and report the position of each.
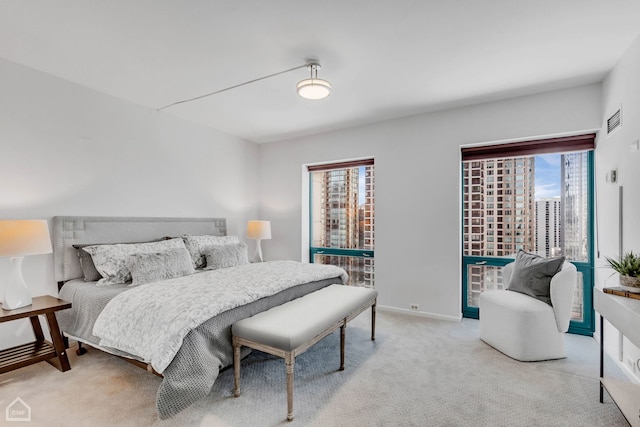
(524, 327)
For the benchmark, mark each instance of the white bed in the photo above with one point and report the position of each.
(206, 347)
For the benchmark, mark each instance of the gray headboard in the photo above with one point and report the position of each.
(71, 230)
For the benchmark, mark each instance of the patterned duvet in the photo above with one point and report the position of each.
(200, 341)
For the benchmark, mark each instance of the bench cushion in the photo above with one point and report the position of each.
(289, 325)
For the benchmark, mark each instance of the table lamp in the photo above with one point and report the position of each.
(19, 238)
(258, 230)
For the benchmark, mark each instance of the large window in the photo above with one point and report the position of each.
(535, 196)
(341, 223)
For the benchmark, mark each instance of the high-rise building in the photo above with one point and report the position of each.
(368, 224)
(344, 223)
(340, 213)
(499, 211)
(574, 204)
(498, 215)
(548, 230)
(573, 195)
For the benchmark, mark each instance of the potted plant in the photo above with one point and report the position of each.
(628, 266)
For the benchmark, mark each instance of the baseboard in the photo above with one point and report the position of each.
(419, 313)
(632, 376)
(628, 372)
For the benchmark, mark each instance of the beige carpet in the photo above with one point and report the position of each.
(418, 372)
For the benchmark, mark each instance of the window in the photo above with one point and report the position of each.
(549, 212)
(342, 222)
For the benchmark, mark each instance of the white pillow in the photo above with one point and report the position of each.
(111, 260)
(197, 243)
(153, 267)
(223, 256)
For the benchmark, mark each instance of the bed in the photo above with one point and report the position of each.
(208, 301)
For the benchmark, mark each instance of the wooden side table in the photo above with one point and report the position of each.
(39, 350)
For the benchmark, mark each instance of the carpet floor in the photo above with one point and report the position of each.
(418, 372)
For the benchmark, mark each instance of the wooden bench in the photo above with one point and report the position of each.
(291, 328)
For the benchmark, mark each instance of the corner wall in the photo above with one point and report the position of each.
(620, 88)
(68, 150)
(417, 199)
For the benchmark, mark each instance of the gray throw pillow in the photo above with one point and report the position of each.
(153, 267)
(87, 265)
(532, 275)
(91, 274)
(223, 256)
(110, 260)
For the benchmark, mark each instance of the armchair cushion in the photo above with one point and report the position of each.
(532, 275)
(563, 286)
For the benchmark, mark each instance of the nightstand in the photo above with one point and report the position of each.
(39, 350)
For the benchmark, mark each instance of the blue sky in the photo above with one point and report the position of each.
(547, 176)
(361, 182)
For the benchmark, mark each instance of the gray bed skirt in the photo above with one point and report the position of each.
(204, 352)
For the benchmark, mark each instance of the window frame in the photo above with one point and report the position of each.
(529, 148)
(316, 250)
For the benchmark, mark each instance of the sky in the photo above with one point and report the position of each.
(361, 185)
(547, 176)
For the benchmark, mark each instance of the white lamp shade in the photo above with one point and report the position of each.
(259, 230)
(314, 88)
(24, 237)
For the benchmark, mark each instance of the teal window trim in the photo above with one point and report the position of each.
(587, 325)
(313, 251)
(470, 311)
(317, 250)
(584, 327)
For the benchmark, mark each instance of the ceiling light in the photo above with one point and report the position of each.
(314, 88)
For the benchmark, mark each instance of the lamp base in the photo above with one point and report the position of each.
(257, 255)
(16, 294)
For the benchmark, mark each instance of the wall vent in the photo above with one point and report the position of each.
(615, 121)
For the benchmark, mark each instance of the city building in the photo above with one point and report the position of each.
(574, 205)
(498, 215)
(343, 222)
(575, 217)
(548, 230)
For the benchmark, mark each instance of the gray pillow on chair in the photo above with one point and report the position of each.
(532, 275)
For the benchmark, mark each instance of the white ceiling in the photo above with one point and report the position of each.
(384, 58)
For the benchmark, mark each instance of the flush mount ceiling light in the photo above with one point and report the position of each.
(314, 88)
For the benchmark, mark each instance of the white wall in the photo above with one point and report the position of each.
(68, 150)
(417, 255)
(620, 88)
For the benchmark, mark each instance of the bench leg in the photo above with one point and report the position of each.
(373, 322)
(236, 369)
(343, 333)
(289, 363)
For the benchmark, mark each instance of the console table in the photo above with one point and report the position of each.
(624, 315)
(39, 350)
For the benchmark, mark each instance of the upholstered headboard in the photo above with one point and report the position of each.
(72, 230)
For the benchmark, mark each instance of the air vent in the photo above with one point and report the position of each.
(615, 121)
